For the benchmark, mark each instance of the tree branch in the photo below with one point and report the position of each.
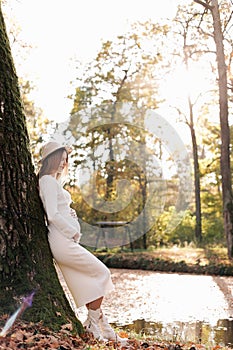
(229, 19)
(209, 7)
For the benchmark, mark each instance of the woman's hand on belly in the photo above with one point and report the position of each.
(77, 237)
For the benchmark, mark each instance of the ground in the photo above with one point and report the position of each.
(190, 255)
(35, 336)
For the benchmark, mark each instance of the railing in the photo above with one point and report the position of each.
(104, 225)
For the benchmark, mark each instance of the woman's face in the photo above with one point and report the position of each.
(63, 162)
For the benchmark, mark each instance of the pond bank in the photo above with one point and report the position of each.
(191, 261)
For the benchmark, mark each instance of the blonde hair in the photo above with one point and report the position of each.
(51, 163)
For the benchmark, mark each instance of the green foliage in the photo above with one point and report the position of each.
(181, 235)
(184, 233)
(211, 195)
(213, 232)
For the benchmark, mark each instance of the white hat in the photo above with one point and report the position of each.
(51, 147)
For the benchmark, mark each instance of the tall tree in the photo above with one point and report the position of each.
(185, 23)
(227, 197)
(25, 261)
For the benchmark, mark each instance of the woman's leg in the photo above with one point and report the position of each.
(95, 304)
(93, 317)
(97, 323)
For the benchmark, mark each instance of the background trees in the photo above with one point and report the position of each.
(134, 68)
(128, 70)
(167, 67)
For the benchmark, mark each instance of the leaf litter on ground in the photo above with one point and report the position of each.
(37, 337)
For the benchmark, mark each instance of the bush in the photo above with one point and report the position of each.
(167, 232)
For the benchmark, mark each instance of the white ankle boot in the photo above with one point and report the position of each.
(108, 333)
(92, 323)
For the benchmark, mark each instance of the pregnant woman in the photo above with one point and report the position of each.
(87, 278)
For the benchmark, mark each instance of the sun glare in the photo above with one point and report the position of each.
(58, 33)
(184, 83)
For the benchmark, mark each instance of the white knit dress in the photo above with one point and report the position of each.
(86, 276)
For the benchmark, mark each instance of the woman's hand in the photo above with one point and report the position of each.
(73, 213)
(76, 237)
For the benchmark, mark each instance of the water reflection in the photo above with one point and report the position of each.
(197, 332)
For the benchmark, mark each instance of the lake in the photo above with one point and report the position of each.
(171, 306)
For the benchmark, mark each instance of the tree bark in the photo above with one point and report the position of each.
(26, 263)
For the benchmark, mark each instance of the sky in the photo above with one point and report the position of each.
(60, 31)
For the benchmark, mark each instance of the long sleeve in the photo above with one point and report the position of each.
(49, 192)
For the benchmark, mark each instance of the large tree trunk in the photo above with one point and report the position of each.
(25, 260)
(225, 130)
